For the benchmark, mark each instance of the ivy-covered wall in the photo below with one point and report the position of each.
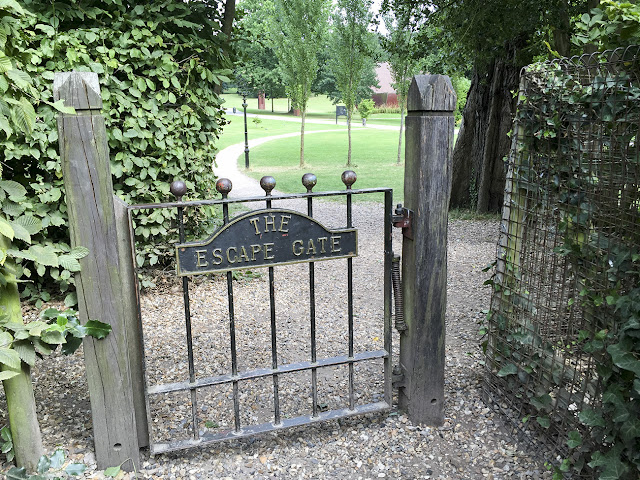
(563, 332)
(158, 64)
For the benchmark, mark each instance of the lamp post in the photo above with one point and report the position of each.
(246, 137)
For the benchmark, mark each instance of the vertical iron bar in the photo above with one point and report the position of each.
(388, 259)
(350, 305)
(268, 183)
(187, 316)
(232, 333)
(312, 314)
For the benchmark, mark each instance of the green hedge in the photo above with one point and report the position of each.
(158, 66)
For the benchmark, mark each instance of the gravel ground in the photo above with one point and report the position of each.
(472, 443)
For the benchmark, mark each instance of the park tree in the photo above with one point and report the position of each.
(404, 62)
(258, 69)
(495, 38)
(353, 46)
(297, 30)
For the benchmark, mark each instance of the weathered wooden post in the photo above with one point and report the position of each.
(92, 222)
(427, 184)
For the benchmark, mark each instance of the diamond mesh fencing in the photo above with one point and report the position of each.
(568, 249)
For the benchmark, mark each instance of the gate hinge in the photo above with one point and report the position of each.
(397, 377)
(403, 219)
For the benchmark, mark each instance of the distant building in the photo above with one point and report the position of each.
(385, 93)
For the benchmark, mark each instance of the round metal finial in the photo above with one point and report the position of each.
(268, 183)
(178, 188)
(349, 177)
(223, 186)
(309, 180)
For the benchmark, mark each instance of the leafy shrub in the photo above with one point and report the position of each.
(159, 65)
(366, 108)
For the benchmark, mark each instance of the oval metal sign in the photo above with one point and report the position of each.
(266, 238)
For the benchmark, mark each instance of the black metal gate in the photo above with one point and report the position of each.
(268, 237)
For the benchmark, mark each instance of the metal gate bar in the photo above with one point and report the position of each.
(268, 183)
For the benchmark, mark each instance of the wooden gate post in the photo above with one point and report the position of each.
(92, 222)
(427, 184)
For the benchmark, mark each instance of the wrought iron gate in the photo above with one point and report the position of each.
(268, 237)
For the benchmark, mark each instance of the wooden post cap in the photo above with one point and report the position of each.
(80, 90)
(431, 93)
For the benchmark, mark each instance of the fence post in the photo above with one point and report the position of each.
(92, 223)
(427, 184)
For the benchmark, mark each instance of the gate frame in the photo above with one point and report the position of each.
(114, 365)
(223, 186)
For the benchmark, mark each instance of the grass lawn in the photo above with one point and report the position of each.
(374, 160)
(320, 107)
(233, 132)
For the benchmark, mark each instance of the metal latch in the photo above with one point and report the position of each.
(403, 219)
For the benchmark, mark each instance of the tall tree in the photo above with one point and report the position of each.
(353, 47)
(498, 38)
(399, 43)
(297, 30)
(259, 70)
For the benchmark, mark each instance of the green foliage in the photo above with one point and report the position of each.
(53, 468)
(352, 46)
(259, 69)
(557, 118)
(158, 67)
(24, 342)
(461, 85)
(366, 108)
(6, 446)
(610, 25)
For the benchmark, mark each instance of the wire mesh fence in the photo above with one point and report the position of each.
(568, 250)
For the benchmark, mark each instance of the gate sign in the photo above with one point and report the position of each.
(266, 238)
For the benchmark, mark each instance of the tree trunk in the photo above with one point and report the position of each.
(483, 142)
(304, 114)
(401, 102)
(349, 136)
(21, 404)
(227, 28)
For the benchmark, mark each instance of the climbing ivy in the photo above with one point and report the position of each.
(561, 120)
(158, 66)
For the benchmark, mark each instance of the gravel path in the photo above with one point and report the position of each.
(473, 443)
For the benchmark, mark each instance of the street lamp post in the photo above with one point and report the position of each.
(246, 137)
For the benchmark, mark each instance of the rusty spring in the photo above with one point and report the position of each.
(397, 294)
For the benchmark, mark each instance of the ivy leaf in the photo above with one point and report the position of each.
(74, 469)
(630, 430)
(17, 474)
(624, 359)
(44, 464)
(97, 329)
(614, 470)
(26, 351)
(57, 459)
(509, 369)
(544, 422)
(112, 471)
(73, 343)
(591, 418)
